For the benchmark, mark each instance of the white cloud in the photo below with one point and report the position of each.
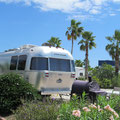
(99, 2)
(88, 8)
(94, 11)
(85, 5)
(112, 14)
(116, 1)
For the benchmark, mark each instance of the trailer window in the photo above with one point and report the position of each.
(72, 66)
(13, 63)
(39, 63)
(22, 62)
(59, 65)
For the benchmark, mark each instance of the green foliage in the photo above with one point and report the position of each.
(73, 32)
(37, 110)
(103, 75)
(87, 111)
(53, 110)
(113, 49)
(79, 63)
(55, 42)
(13, 88)
(87, 41)
(81, 78)
(116, 81)
(86, 44)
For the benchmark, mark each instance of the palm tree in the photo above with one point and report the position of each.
(73, 32)
(55, 42)
(87, 43)
(113, 48)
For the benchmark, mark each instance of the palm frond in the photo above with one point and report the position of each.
(82, 47)
(91, 45)
(82, 42)
(111, 50)
(73, 22)
(109, 38)
(117, 35)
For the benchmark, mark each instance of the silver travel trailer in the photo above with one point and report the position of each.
(51, 70)
(79, 72)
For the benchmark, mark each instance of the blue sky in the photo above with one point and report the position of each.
(35, 21)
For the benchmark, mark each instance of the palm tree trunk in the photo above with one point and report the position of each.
(86, 62)
(117, 61)
(72, 46)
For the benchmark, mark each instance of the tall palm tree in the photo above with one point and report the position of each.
(73, 32)
(87, 43)
(113, 48)
(55, 42)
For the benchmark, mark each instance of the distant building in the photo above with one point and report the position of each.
(110, 62)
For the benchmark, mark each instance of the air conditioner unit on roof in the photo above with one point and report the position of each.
(27, 46)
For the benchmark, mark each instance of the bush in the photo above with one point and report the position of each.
(37, 110)
(75, 109)
(103, 109)
(116, 81)
(13, 88)
(81, 78)
(103, 75)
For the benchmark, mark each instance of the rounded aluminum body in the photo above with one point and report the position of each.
(56, 76)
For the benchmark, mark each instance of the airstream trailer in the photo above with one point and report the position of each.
(49, 69)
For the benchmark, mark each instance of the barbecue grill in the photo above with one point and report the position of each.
(91, 88)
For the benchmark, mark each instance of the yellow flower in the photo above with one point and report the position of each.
(74, 94)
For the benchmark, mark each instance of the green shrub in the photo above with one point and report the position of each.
(106, 83)
(83, 110)
(37, 110)
(13, 88)
(103, 75)
(81, 78)
(116, 81)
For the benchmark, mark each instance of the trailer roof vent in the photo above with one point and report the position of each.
(27, 46)
(9, 50)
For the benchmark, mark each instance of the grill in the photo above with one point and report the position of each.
(91, 88)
